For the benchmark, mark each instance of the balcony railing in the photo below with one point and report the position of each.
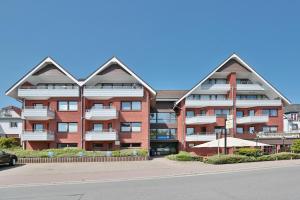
(201, 137)
(101, 135)
(191, 103)
(249, 87)
(104, 92)
(201, 119)
(37, 135)
(257, 102)
(252, 119)
(101, 113)
(215, 87)
(46, 92)
(37, 113)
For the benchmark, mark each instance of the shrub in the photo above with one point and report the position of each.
(142, 152)
(6, 143)
(228, 159)
(184, 156)
(296, 146)
(265, 158)
(116, 153)
(285, 156)
(249, 152)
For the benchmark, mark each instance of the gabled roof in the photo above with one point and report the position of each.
(36, 68)
(292, 108)
(170, 94)
(238, 59)
(117, 61)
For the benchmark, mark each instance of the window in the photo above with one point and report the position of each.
(62, 105)
(190, 113)
(64, 127)
(97, 127)
(294, 127)
(270, 112)
(239, 114)
(38, 105)
(239, 130)
(251, 129)
(64, 145)
(222, 112)
(38, 127)
(163, 134)
(67, 106)
(202, 112)
(13, 124)
(190, 131)
(131, 127)
(98, 105)
(131, 105)
(128, 145)
(251, 113)
(219, 130)
(270, 129)
(163, 118)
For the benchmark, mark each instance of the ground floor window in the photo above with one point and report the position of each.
(64, 145)
(128, 145)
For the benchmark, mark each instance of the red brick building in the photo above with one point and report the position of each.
(113, 108)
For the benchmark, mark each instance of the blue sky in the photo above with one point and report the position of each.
(170, 44)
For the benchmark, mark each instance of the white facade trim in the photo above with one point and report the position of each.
(238, 59)
(115, 60)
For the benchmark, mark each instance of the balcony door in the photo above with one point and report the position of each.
(98, 105)
(98, 127)
(38, 127)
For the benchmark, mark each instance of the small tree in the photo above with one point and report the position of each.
(6, 143)
(296, 146)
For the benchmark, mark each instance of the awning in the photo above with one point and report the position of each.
(231, 142)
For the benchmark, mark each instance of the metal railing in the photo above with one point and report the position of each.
(202, 133)
(38, 131)
(50, 87)
(37, 108)
(102, 131)
(114, 87)
(100, 108)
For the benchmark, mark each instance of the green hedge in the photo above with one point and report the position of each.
(184, 156)
(228, 159)
(249, 152)
(72, 152)
(296, 146)
(234, 158)
(8, 143)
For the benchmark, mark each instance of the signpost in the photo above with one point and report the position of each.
(229, 125)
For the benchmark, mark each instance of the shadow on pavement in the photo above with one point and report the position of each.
(7, 167)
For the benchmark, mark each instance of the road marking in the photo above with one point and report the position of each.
(144, 178)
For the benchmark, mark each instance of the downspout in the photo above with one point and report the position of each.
(82, 116)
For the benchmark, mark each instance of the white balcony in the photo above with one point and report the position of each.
(204, 103)
(205, 137)
(102, 113)
(103, 135)
(249, 87)
(252, 119)
(37, 136)
(37, 113)
(256, 103)
(43, 92)
(214, 88)
(201, 120)
(95, 92)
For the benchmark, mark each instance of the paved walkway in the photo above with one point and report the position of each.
(56, 173)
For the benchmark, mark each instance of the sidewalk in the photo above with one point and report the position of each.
(52, 173)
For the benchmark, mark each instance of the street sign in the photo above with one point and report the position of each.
(229, 124)
(229, 117)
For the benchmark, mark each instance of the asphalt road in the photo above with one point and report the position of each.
(275, 184)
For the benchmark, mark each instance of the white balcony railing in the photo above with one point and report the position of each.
(37, 113)
(101, 135)
(215, 88)
(206, 137)
(257, 102)
(43, 92)
(101, 113)
(42, 135)
(204, 103)
(249, 87)
(252, 119)
(95, 92)
(205, 119)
